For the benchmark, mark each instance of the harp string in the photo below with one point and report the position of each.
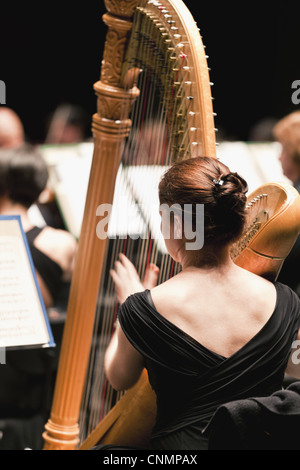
(170, 121)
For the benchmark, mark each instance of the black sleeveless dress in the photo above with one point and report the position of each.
(48, 269)
(191, 381)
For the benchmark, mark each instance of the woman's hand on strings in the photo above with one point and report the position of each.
(127, 280)
(151, 276)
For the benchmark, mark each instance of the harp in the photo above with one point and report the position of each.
(153, 100)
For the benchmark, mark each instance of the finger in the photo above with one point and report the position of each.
(114, 276)
(151, 276)
(118, 285)
(152, 269)
(120, 269)
(128, 264)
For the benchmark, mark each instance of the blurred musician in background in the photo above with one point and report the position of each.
(69, 124)
(27, 379)
(23, 177)
(11, 129)
(287, 133)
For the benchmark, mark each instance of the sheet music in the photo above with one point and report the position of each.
(69, 170)
(144, 183)
(70, 165)
(22, 319)
(257, 163)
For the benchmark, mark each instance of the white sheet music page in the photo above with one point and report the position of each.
(23, 319)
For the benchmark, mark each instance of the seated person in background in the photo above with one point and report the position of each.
(28, 377)
(12, 135)
(69, 124)
(11, 129)
(287, 133)
(23, 177)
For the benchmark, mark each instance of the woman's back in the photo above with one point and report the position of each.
(221, 310)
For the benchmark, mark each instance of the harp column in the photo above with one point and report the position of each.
(111, 126)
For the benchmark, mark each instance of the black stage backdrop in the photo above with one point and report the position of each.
(50, 53)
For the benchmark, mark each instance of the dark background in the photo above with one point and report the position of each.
(50, 52)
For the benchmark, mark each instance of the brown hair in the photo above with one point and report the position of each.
(287, 132)
(23, 174)
(205, 180)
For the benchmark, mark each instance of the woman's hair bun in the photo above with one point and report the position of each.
(231, 185)
(207, 181)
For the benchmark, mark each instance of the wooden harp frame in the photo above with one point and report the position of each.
(111, 126)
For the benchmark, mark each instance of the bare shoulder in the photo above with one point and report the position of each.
(60, 246)
(59, 237)
(257, 285)
(169, 293)
(242, 289)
